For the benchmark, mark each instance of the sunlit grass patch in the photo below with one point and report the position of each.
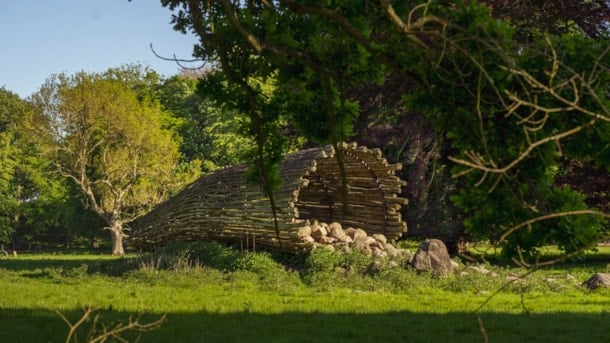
(257, 296)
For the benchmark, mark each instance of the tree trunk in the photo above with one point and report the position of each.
(116, 232)
(412, 140)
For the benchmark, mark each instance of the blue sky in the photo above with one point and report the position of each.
(43, 37)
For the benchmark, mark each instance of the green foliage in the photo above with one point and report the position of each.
(261, 263)
(571, 233)
(142, 80)
(242, 129)
(322, 260)
(253, 46)
(589, 58)
(12, 113)
(501, 103)
(212, 254)
(327, 270)
(242, 269)
(493, 74)
(108, 135)
(493, 213)
(30, 197)
(208, 133)
(271, 275)
(209, 254)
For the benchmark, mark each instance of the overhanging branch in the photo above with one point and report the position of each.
(179, 61)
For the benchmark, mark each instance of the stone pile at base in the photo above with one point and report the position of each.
(431, 255)
(333, 237)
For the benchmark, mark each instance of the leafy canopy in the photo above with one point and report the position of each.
(511, 110)
(113, 141)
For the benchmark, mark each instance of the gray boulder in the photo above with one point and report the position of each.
(432, 255)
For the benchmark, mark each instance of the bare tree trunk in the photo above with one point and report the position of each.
(116, 232)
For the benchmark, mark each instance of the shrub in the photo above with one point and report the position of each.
(321, 260)
(215, 255)
(271, 274)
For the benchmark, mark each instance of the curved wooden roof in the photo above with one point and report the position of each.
(224, 206)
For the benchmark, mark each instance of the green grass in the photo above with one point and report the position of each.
(229, 297)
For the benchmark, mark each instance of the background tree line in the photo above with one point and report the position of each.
(92, 151)
(493, 119)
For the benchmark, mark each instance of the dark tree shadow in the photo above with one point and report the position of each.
(32, 265)
(25, 325)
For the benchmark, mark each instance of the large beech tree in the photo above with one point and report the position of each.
(508, 109)
(117, 147)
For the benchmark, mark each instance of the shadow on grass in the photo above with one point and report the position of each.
(18, 264)
(39, 267)
(25, 325)
(597, 258)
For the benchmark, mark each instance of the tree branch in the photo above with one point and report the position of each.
(550, 216)
(476, 163)
(179, 61)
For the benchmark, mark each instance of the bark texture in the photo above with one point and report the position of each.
(409, 138)
(117, 236)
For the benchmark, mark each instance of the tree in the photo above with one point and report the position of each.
(178, 95)
(504, 106)
(115, 145)
(210, 133)
(35, 203)
(254, 44)
(12, 114)
(515, 110)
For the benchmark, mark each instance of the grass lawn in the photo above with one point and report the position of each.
(205, 304)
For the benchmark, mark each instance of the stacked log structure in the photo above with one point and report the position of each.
(223, 206)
